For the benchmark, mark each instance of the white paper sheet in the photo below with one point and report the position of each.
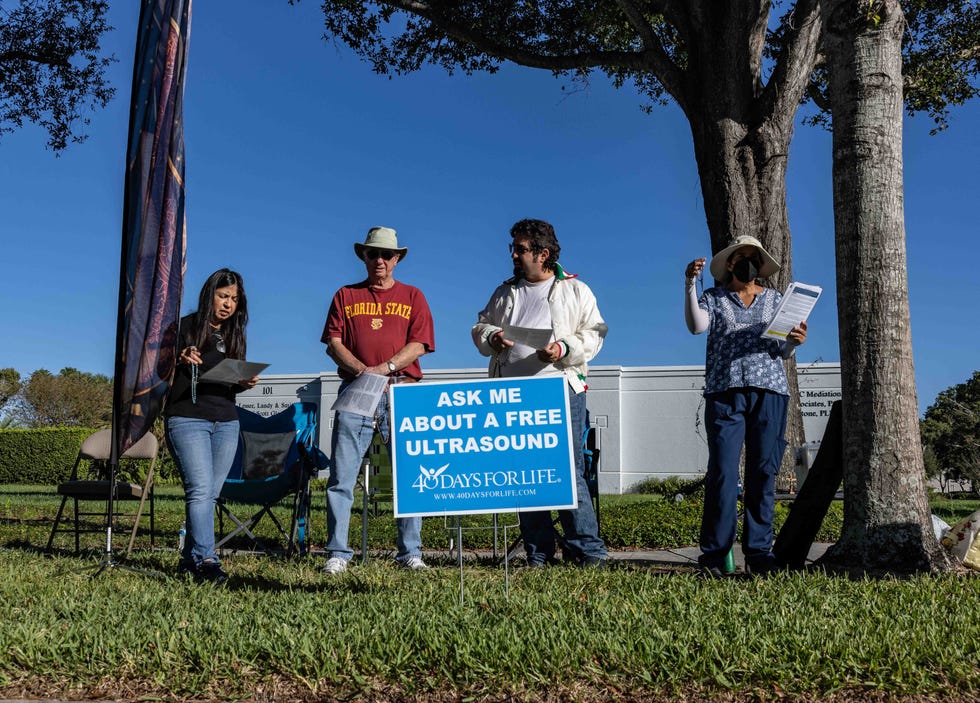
(362, 395)
(534, 338)
(231, 372)
(795, 307)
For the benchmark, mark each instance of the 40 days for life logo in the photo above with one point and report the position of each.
(438, 479)
(482, 446)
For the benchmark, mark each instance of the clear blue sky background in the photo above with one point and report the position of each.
(295, 148)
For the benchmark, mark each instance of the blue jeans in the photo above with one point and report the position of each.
(757, 419)
(352, 435)
(580, 527)
(204, 452)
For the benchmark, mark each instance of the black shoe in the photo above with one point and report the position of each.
(761, 566)
(592, 563)
(186, 570)
(211, 572)
(709, 570)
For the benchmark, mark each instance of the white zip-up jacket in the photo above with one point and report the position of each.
(575, 319)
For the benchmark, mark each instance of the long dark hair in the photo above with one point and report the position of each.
(233, 329)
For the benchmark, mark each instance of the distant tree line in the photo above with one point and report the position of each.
(69, 398)
(951, 435)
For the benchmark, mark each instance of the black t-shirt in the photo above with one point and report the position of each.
(215, 401)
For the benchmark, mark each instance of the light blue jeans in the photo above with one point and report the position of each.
(580, 527)
(203, 451)
(352, 435)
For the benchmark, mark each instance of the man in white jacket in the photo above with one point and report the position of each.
(542, 295)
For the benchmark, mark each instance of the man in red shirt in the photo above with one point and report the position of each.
(378, 326)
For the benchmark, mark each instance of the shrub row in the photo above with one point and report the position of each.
(668, 487)
(646, 524)
(46, 455)
(41, 456)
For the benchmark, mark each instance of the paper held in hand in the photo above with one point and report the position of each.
(794, 308)
(362, 395)
(232, 371)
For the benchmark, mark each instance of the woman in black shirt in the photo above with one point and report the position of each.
(201, 419)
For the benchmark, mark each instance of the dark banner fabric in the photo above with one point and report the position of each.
(153, 237)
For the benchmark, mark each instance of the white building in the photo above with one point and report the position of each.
(650, 417)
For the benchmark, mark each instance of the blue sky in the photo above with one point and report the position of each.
(295, 148)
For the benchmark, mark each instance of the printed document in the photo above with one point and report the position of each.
(231, 372)
(795, 307)
(362, 396)
(528, 336)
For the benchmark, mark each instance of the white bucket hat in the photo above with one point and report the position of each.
(718, 266)
(380, 238)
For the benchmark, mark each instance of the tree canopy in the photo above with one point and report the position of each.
(52, 72)
(9, 386)
(951, 430)
(656, 43)
(738, 69)
(69, 398)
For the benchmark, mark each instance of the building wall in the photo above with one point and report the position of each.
(650, 417)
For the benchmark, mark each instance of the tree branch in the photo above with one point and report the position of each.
(639, 23)
(757, 38)
(794, 65)
(663, 66)
(635, 60)
(16, 55)
(816, 95)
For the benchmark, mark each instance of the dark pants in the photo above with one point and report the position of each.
(757, 419)
(580, 527)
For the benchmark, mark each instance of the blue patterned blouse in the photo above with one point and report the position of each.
(737, 357)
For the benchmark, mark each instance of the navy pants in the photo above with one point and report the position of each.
(580, 526)
(757, 419)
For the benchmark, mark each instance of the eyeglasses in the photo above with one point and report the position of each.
(518, 249)
(386, 254)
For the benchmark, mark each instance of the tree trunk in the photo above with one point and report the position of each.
(743, 183)
(887, 523)
(741, 144)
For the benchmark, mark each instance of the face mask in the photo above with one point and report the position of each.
(745, 270)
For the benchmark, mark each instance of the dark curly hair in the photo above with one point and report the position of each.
(541, 236)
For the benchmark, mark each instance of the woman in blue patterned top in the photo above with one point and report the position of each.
(746, 396)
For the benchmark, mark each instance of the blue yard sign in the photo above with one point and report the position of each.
(486, 446)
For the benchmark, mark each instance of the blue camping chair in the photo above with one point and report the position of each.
(277, 456)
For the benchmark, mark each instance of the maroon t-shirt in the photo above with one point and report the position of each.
(375, 324)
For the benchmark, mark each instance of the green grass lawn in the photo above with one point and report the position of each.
(628, 522)
(280, 625)
(282, 630)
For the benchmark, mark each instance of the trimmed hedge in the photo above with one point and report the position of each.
(45, 456)
(41, 456)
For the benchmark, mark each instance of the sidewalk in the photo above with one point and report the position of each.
(672, 558)
(688, 556)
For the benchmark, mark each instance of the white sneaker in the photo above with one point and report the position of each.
(413, 564)
(335, 565)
